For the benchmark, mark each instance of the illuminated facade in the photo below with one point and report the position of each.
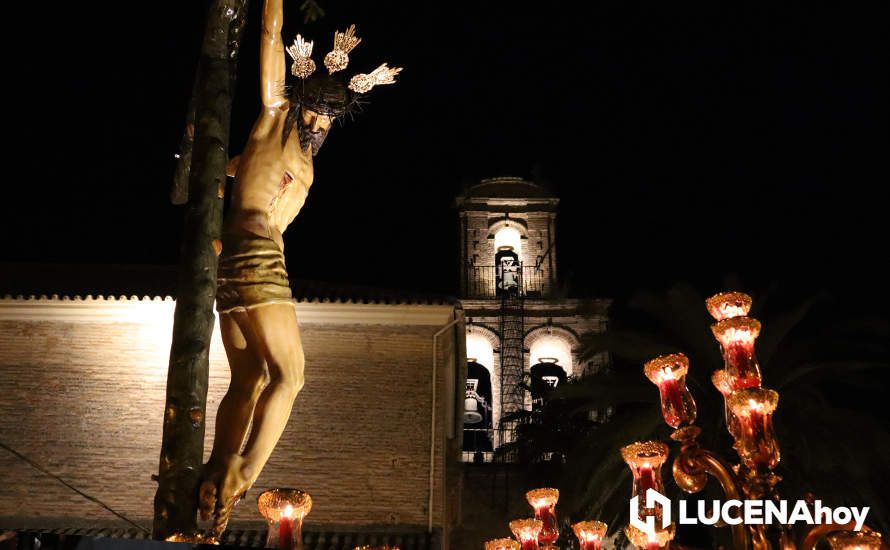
(84, 389)
(86, 385)
(520, 325)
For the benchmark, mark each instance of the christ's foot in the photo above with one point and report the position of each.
(207, 493)
(232, 487)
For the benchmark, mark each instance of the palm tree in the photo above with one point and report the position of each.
(826, 365)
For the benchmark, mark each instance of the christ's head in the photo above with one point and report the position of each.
(315, 104)
(313, 129)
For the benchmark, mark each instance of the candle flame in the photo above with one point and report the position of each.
(732, 311)
(740, 336)
(725, 305)
(288, 512)
(526, 529)
(666, 367)
(736, 330)
(589, 531)
(753, 400)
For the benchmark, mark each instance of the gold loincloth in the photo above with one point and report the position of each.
(251, 273)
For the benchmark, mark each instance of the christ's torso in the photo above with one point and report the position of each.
(272, 181)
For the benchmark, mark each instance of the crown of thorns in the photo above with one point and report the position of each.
(337, 60)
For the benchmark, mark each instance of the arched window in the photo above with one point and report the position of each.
(477, 410)
(552, 346)
(507, 272)
(546, 375)
(550, 357)
(508, 247)
(479, 403)
(508, 237)
(480, 350)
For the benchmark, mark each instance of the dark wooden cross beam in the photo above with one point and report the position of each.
(182, 448)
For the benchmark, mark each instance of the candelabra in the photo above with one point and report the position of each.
(748, 411)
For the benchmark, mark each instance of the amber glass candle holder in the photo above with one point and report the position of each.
(660, 539)
(736, 337)
(756, 441)
(526, 532)
(502, 544)
(727, 305)
(726, 384)
(645, 459)
(590, 534)
(544, 502)
(854, 540)
(668, 372)
(284, 510)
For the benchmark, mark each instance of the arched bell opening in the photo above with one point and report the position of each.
(508, 270)
(477, 410)
(545, 376)
(508, 237)
(481, 408)
(550, 356)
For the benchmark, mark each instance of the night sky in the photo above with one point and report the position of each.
(686, 143)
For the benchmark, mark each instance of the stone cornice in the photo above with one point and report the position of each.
(134, 310)
(539, 307)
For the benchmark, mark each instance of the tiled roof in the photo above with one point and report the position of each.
(129, 282)
(312, 540)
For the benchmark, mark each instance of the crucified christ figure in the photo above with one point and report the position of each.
(256, 309)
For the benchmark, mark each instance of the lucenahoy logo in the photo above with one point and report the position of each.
(749, 512)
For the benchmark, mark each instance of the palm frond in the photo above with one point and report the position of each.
(780, 326)
(628, 345)
(826, 370)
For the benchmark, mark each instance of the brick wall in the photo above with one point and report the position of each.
(83, 394)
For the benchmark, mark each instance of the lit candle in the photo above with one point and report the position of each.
(284, 510)
(286, 529)
(650, 541)
(544, 502)
(590, 534)
(671, 389)
(736, 336)
(727, 305)
(527, 531)
(645, 459)
(756, 441)
(668, 372)
(647, 478)
(726, 384)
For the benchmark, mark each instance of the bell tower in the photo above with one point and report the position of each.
(522, 332)
(507, 231)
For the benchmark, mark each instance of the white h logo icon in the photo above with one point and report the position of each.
(653, 498)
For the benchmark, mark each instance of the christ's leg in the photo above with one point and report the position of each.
(233, 417)
(248, 368)
(278, 334)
